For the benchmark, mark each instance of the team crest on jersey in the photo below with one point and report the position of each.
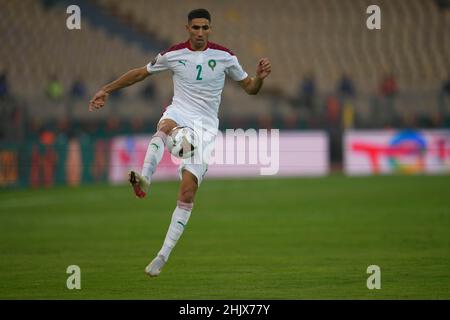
(212, 64)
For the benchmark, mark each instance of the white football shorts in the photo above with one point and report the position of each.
(198, 165)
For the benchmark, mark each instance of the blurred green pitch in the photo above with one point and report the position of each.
(246, 239)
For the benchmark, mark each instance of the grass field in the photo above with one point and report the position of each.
(247, 239)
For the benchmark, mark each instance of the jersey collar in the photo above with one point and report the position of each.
(188, 45)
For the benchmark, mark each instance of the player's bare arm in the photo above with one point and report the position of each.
(252, 85)
(129, 78)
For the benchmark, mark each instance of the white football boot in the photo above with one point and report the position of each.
(154, 268)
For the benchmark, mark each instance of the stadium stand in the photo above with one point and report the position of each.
(323, 37)
(326, 36)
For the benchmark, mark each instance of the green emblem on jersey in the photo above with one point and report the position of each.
(183, 62)
(212, 64)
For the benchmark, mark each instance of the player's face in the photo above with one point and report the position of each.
(198, 30)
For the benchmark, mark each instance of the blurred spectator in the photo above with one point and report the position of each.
(149, 91)
(346, 88)
(443, 4)
(348, 115)
(333, 110)
(63, 127)
(49, 3)
(78, 89)
(446, 87)
(113, 125)
(47, 137)
(307, 91)
(444, 101)
(388, 92)
(11, 112)
(137, 125)
(265, 121)
(4, 91)
(100, 166)
(333, 126)
(388, 86)
(54, 89)
(274, 96)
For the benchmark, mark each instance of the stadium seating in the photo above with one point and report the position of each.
(327, 37)
(324, 37)
(37, 44)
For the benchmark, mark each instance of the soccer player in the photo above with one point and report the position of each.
(199, 68)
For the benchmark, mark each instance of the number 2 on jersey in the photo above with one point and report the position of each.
(199, 73)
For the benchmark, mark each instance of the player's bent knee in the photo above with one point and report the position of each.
(166, 126)
(187, 192)
(188, 188)
(187, 195)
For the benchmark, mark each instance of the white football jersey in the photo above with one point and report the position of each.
(198, 78)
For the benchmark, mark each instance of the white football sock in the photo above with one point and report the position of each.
(180, 218)
(154, 154)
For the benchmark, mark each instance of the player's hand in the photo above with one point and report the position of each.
(99, 100)
(264, 68)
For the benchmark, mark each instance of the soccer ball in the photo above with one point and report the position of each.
(182, 142)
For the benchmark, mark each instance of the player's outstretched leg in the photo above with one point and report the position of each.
(141, 182)
(179, 221)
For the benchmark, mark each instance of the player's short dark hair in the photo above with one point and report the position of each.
(198, 14)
